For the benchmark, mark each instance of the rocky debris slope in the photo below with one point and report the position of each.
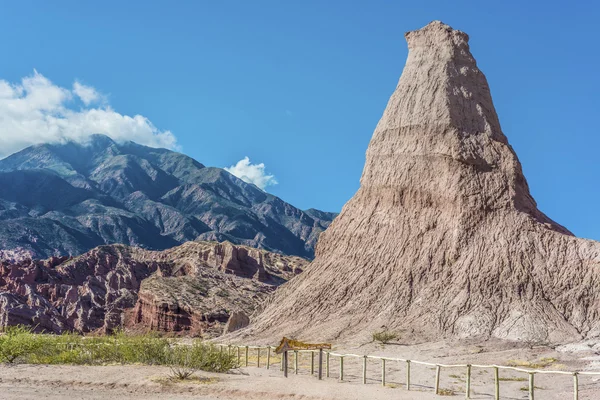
(443, 238)
(65, 199)
(191, 288)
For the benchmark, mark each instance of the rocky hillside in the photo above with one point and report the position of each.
(64, 199)
(193, 288)
(443, 238)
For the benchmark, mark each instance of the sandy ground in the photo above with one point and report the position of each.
(249, 383)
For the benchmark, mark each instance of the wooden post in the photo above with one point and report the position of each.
(258, 357)
(531, 386)
(246, 356)
(364, 370)
(284, 359)
(437, 379)
(296, 362)
(239, 357)
(407, 374)
(468, 389)
(383, 372)
(268, 357)
(341, 368)
(327, 365)
(575, 386)
(497, 384)
(320, 364)
(312, 362)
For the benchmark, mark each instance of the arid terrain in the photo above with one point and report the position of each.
(145, 382)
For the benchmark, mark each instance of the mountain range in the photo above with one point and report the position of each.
(67, 198)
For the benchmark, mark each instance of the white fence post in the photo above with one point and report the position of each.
(575, 386)
(341, 368)
(437, 379)
(327, 365)
(383, 372)
(496, 384)
(531, 386)
(296, 362)
(268, 357)
(468, 389)
(407, 374)
(364, 370)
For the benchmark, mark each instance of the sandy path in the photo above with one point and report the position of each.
(139, 382)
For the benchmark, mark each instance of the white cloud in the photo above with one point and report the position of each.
(38, 111)
(87, 94)
(252, 173)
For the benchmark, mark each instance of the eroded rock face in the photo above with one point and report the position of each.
(443, 237)
(193, 287)
(237, 320)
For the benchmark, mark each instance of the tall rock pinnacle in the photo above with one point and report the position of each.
(443, 237)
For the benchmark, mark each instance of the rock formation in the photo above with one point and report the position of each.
(237, 320)
(443, 238)
(192, 288)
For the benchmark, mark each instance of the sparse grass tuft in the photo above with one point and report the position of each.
(541, 363)
(526, 388)
(384, 337)
(445, 392)
(512, 379)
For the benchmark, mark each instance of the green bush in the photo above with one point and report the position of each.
(384, 337)
(18, 344)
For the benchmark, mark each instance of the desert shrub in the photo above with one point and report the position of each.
(207, 357)
(180, 373)
(384, 337)
(17, 343)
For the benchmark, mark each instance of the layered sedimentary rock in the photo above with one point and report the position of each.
(191, 288)
(443, 238)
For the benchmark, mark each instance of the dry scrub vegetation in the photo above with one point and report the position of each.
(19, 345)
(385, 337)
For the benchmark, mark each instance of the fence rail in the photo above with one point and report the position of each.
(438, 368)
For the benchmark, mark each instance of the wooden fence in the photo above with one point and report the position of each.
(438, 368)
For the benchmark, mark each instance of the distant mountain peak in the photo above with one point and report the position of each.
(104, 191)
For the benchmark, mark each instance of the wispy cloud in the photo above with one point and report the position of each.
(36, 110)
(252, 173)
(87, 94)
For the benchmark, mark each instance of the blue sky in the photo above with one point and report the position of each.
(300, 85)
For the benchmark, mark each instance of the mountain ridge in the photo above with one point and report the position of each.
(64, 199)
